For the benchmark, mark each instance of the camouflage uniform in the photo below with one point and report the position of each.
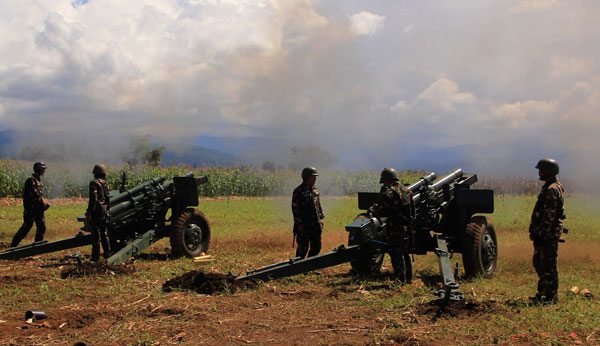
(545, 230)
(97, 210)
(33, 206)
(308, 224)
(396, 203)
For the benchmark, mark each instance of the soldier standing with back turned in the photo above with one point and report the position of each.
(308, 215)
(397, 204)
(545, 230)
(97, 215)
(34, 205)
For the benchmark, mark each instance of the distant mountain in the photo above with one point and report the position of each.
(198, 156)
(33, 146)
(7, 138)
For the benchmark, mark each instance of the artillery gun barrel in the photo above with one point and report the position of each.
(128, 194)
(447, 180)
(124, 201)
(424, 181)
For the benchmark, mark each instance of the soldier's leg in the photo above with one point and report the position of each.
(408, 269)
(40, 227)
(105, 243)
(22, 232)
(302, 245)
(95, 244)
(550, 271)
(315, 243)
(537, 265)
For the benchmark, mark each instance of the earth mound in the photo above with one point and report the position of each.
(91, 268)
(455, 308)
(207, 283)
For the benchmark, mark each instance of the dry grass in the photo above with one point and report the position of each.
(332, 308)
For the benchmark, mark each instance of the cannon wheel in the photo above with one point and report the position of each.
(190, 233)
(480, 248)
(366, 264)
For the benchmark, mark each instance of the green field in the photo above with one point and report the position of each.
(321, 309)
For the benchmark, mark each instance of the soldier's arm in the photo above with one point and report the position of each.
(296, 208)
(320, 208)
(28, 193)
(550, 212)
(93, 197)
(386, 205)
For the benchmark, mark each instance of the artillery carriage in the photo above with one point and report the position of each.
(445, 224)
(141, 216)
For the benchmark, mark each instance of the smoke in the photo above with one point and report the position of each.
(491, 86)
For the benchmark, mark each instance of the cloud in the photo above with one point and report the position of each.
(366, 23)
(519, 114)
(333, 73)
(445, 94)
(527, 6)
(399, 106)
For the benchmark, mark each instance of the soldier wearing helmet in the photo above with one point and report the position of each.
(97, 216)
(397, 205)
(34, 205)
(545, 229)
(308, 215)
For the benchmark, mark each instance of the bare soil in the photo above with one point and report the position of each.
(91, 268)
(207, 283)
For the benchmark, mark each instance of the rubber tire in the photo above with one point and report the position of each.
(178, 227)
(366, 264)
(477, 233)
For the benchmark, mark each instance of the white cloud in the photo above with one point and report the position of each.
(519, 113)
(366, 23)
(569, 66)
(399, 106)
(526, 6)
(445, 94)
(292, 69)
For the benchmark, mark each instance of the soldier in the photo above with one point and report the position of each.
(308, 215)
(97, 215)
(545, 230)
(397, 204)
(34, 205)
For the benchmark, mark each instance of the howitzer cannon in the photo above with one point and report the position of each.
(138, 218)
(445, 224)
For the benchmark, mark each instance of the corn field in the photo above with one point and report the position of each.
(71, 180)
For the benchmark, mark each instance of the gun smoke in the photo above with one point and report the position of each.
(490, 87)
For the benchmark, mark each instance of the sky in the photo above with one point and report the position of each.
(493, 84)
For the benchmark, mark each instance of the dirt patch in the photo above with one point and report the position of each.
(11, 279)
(207, 283)
(90, 268)
(82, 321)
(4, 245)
(437, 308)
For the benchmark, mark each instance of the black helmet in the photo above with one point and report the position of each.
(99, 170)
(388, 174)
(548, 166)
(38, 166)
(309, 172)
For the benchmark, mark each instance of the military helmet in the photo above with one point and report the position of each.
(549, 166)
(309, 172)
(99, 169)
(38, 166)
(388, 174)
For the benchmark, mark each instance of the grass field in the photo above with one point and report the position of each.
(333, 308)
